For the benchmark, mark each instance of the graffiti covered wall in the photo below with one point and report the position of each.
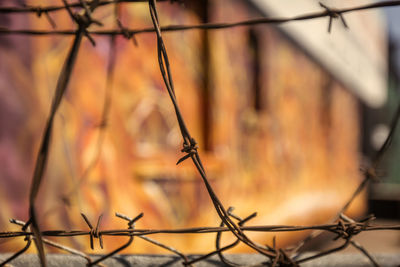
(282, 134)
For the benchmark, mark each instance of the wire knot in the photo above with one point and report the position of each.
(126, 33)
(333, 14)
(348, 230)
(348, 227)
(94, 232)
(85, 20)
(190, 148)
(373, 174)
(38, 11)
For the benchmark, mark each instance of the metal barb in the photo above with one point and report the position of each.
(85, 20)
(94, 232)
(131, 226)
(27, 238)
(39, 10)
(189, 142)
(127, 34)
(345, 228)
(333, 14)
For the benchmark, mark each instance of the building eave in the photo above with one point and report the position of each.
(356, 56)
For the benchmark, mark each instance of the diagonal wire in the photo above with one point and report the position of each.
(42, 157)
(368, 175)
(155, 242)
(47, 242)
(131, 225)
(107, 102)
(189, 144)
(28, 240)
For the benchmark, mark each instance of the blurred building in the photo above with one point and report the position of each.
(384, 196)
(275, 110)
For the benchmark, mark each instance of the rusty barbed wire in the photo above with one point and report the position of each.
(331, 227)
(370, 174)
(343, 227)
(79, 4)
(82, 22)
(47, 242)
(189, 144)
(331, 13)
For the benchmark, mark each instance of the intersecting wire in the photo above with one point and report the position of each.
(95, 233)
(150, 240)
(345, 228)
(28, 240)
(219, 250)
(45, 241)
(189, 144)
(369, 175)
(83, 21)
(204, 230)
(331, 13)
(49, 9)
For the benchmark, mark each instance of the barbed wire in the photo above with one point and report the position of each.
(48, 9)
(205, 230)
(331, 13)
(343, 227)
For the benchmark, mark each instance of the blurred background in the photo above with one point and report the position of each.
(284, 117)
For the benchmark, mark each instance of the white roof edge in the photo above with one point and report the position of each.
(356, 56)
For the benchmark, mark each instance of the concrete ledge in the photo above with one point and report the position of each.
(340, 259)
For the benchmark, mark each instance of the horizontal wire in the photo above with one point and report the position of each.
(209, 26)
